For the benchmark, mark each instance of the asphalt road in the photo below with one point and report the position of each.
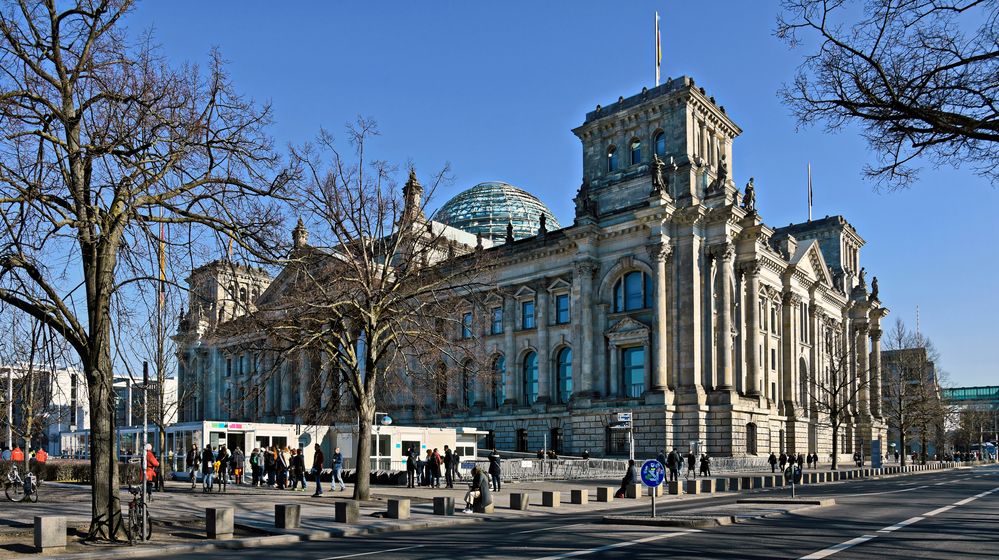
(948, 515)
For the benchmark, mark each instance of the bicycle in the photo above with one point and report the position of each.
(18, 489)
(137, 511)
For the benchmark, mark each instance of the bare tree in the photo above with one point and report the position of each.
(101, 140)
(918, 76)
(375, 292)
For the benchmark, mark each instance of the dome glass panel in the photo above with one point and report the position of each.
(487, 207)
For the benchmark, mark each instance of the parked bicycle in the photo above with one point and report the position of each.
(137, 512)
(20, 489)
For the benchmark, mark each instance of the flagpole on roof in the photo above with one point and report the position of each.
(659, 49)
(809, 191)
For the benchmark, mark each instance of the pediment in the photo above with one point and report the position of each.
(809, 261)
(524, 292)
(628, 325)
(558, 285)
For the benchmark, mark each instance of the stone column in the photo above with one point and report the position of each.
(545, 392)
(752, 272)
(509, 349)
(864, 389)
(876, 372)
(724, 253)
(661, 254)
(601, 376)
(583, 272)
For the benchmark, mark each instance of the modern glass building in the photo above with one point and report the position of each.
(487, 207)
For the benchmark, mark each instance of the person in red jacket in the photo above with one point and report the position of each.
(17, 455)
(151, 465)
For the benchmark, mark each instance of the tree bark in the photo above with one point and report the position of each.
(362, 461)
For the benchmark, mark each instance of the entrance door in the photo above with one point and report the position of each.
(236, 440)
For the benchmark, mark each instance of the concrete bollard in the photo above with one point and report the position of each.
(580, 496)
(520, 500)
(484, 508)
(747, 483)
(443, 506)
(769, 481)
(634, 491)
(605, 494)
(656, 491)
(757, 482)
(398, 508)
(347, 512)
(219, 522)
(721, 485)
(692, 487)
(50, 533)
(674, 488)
(708, 486)
(551, 499)
(734, 484)
(287, 516)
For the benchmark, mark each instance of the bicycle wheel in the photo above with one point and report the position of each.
(33, 495)
(14, 491)
(132, 526)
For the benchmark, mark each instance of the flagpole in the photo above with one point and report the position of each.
(809, 191)
(659, 52)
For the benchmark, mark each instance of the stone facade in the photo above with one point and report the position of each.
(667, 297)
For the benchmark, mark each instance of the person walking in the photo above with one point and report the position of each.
(223, 460)
(448, 458)
(705, 465)
(673, 464)
(411, 460)
(317, 469)
(298, 470)
(207, 469)
(436, 463)
(337, 467)
(691, 465)
(494, 469)
(456, 464)
(193, 464)
(281, 465)
(238, 464)
(151, 465)
(773, 462)
(782, 460)
(801, 461)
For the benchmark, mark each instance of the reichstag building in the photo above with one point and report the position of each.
(667, 297)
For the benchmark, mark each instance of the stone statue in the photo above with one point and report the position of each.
(478, 241)
(874, 289)
(584, 206)
(509, 231)
(542, 224)
(863, 276)
(722, 173)
(749, 199)
(659, 182)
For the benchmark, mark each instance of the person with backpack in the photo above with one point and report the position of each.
(494, 469)
(193, 464)
(448, 458)
(238, 464)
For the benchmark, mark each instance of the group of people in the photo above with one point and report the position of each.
(811, 459)
(428, 470)
(674, 461)
(276, 467)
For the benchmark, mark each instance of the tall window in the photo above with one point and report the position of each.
(633, 291)
(467, 389)
(557, 440)
(228, 367)
(636, 151)
(751, 438)
(466, 325)
(660, 144)
(496, 321)
(527, 314)
(633, 364)
(530, 377)
(611, 159)
(564, 368)
(562, 309)
(522, 440)
(440, 386)
(499, 381)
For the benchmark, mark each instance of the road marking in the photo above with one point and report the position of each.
(838, 548)
(546, 528)
(620, 545)
(886, 492)
(938, 510)
(898, 526)
(939, 483)
(373, 552)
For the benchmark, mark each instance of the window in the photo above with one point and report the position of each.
(773, 358)
(556, 440)
(440, 386)
(522, 440)
(633, 291)
(617, 442)
(562, 309)
(467, 390)
(530, 378)
(496, 323)
(636, 151)
(527, 314)
(228, 367)
(563, 364)
(751, 438)
(633, 366)
(466, 325)
(660, 144)
(499, 382)
(611, 159)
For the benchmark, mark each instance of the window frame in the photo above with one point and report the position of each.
(466, 325)
(656, 138)
(496, 320)
(627, 369)
(635, 151)
(531, 385)
(524, 316)
(621, 300)
(613, 165)
(563, 375)
(563, 296)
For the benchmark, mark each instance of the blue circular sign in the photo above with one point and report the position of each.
(653, 473)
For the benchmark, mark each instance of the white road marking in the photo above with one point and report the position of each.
(886, 492)
(939, 510)
(838, 548)
(556, 527)
(620, 545)
(898, 526)
(939, 483)
(373, 552)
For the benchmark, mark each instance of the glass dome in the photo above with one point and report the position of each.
(487, 207)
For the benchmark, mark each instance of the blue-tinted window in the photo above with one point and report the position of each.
(633, 291)
(611, 160)
(499, 380)
(466, 325)
(564, 366)
(496, 322)
(562, 309)
(467, 388)
(660, 144)
(527, 314)
(633, 365)
(636, 151)
(530, 377)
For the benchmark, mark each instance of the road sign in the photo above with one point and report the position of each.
(653, 473)
(624, 417)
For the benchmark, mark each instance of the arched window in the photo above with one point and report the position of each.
(659, 143)
(636, 151)
(611, 159)
(633, 291)
(499, 381)
(242, 295)
(751, 438)
(563, 363)
(530, 378)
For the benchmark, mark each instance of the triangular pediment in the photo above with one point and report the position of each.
(559, 284)
(808, 259)
(524, 292)
(628, 326)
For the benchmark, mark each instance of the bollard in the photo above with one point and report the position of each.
(757, 482)
(443, 506)
(219, 522)
(633, 491)
(734, 484)
(674, 488)
(287, 516)
(747, 483)
(551, 499)
(769, 481)
(520, 500)
(50, 533)
(398, 508)
(721, 485)
(347, 512)
(580, 496)
(605, 494)
(707, 486)
(692, 487)
(483, 508)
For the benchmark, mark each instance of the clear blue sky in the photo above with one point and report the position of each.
(495, 87)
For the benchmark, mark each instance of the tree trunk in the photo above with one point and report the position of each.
(835, 445)
(105, 503)
(362, 461)
(903, 452)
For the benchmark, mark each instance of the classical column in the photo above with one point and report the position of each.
(661, 254)
(752, 271)
(583, 308)
(304, 380)
(724, 253)
(509, 349)
(545, 392)
(601, 375)
(863, 375)
(876, 372)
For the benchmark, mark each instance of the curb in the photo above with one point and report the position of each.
(687, 521)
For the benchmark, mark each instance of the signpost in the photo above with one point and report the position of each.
(876, 454)
(653, 474)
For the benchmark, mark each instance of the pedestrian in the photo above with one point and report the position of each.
(428, 479)
(337, 467)
(238, 463)
(494, 469)
(456, 463)
(193, 464)
(691, 465)
(553, 457)
(151, 465)
(586, 454)
(255, 466)
(661, 457)
(630, 476)
(705, 465)
(317, 469)
(783, 460)
(801, 461)
(298, 470)
(773, 462)
(411, 460)
(436, 463)
(270, 460)
(478, 494)
(222, 462)
(281, 465)
(673, 462)
(207, 469)
(448, 458)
